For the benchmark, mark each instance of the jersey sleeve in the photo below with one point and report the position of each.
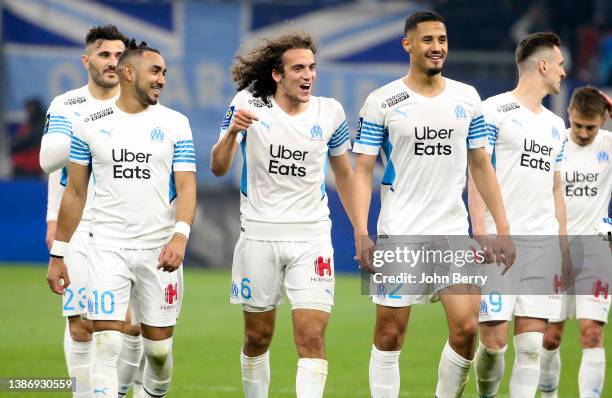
(79, 148)
(339, 141)
(371, 128)
(561, 156)
(57, 135)
(184, 158)
(483, 129)
(54, 195)
(236, 104)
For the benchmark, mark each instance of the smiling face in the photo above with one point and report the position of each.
(101, 60)
(296, 81)
(150, 77)
(427, 45)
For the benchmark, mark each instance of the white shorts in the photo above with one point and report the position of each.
(118, 276)
(590, 297)
(441, 274)
(263, 269)
(528, 288)
(74, 299)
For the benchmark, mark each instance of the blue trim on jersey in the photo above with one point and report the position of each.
(64, 177)
(389, 176)
(607, 220)
(371, 134)
(171, 188)
(561, 155)
(184, 152)
(325, 168)
(494, 159)
(243, 179)
(340, 136)
(58, 125)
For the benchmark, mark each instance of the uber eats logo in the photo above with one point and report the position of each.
(287, 162)
(430, 141)
(580, 184)
(131, 164)
(537, 156)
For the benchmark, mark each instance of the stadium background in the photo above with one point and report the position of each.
(359, 50)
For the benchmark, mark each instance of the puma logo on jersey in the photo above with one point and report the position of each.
(404, 114)
(266, 124)
(517, 122)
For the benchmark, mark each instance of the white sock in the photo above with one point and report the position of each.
(105, 351)
(128, 363)
(138, 392)
(489, 366)
(158, 370)
(384, 373)
(526, 370)
(79, 359)
(310, 378)
(592, 372)
(452, 373)
(255, 375)
(550, 372)
(67, 340)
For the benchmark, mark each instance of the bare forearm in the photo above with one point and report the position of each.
(343, 185)
(222, 154)
(361, 197)
(560, 212)
(489, 195)
(186, 204)
(477, 208)
(70, 213)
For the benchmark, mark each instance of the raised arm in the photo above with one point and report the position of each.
(222, 153)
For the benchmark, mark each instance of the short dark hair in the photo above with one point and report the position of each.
(589, 102)
(106, 32)
(253, 71)
(534, 42)
(421, 16)
(134, 49)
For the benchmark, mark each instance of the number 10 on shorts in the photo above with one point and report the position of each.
(101, 303)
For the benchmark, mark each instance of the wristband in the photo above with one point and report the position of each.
(58, 249)
(182, 227)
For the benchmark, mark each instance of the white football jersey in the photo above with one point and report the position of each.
(423, 143)
(526, 149)
(55, 144)
(283, 194)
(587, 183)
(133, 157)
